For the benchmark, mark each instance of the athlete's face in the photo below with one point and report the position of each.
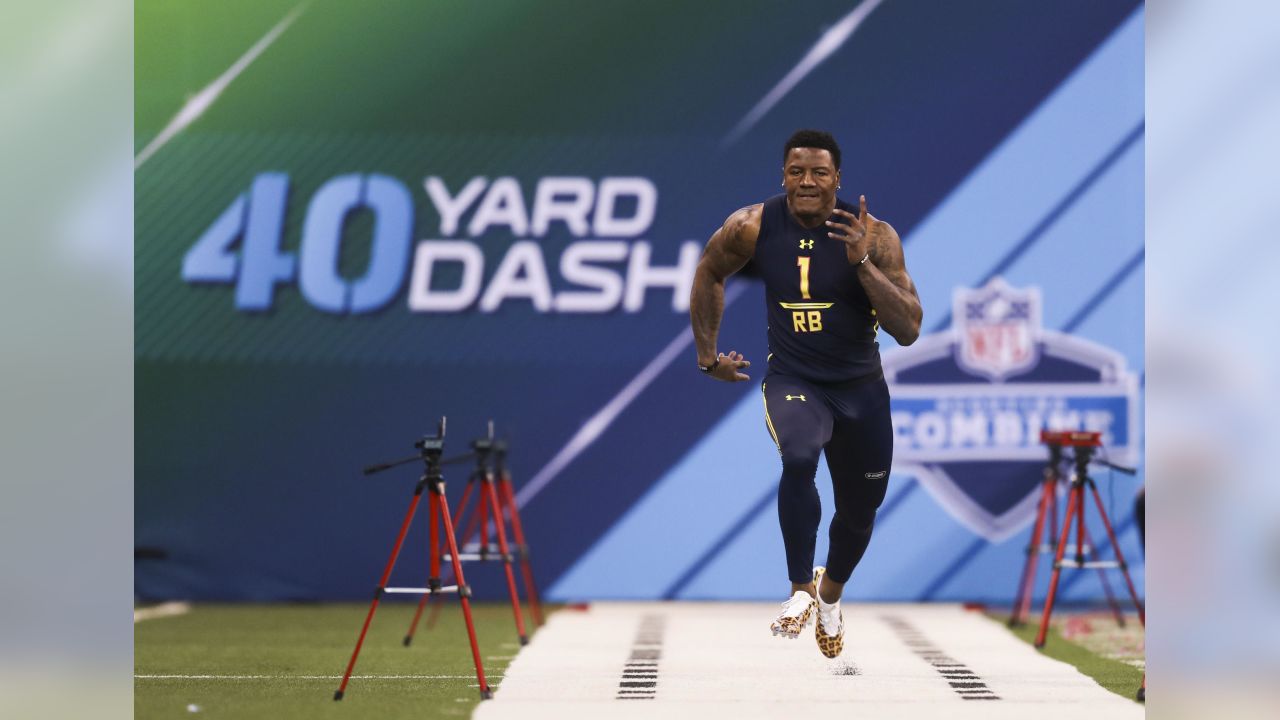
(810, 178)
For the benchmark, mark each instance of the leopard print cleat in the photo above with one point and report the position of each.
(829, 628)
(795, 615)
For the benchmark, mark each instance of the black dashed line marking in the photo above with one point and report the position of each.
(965, 682)
(640, 672)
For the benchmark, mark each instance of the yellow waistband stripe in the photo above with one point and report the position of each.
(767, 421)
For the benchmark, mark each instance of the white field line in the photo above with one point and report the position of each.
(204, 99)
(309, 677)
(593, 428)
(169, 609)
(830, 41)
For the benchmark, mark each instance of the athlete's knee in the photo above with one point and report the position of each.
(800, 456)
(857, 521)
(797, 481)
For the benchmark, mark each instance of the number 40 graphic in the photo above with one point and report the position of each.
(254, 222)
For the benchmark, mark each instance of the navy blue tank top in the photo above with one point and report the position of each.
(821, 324)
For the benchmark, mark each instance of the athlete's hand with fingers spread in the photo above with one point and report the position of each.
(728, 367)
(856, 234)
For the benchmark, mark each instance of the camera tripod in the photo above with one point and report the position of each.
(494, 506)
(1085, 444)
(1047, 513)
(430, 450)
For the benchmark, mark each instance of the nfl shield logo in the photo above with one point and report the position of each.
(969, 404)
(997, 328)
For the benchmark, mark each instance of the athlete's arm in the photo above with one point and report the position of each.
(884, 276)
(726, 252)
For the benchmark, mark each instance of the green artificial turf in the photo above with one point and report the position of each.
(1118, 677)
(302, 650)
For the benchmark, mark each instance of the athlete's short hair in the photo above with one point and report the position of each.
(813, 139)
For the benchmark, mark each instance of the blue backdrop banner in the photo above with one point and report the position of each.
(352, 220)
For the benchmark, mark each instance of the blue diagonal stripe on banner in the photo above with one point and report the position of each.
(1069, 199)
(1107, 288)
(969, 553)
(716, 545)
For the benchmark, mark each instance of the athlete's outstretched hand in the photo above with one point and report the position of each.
(729, 366)
(857, 233)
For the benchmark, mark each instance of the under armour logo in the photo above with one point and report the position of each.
(806, 244)
(797, 397)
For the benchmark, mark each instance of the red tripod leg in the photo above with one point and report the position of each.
(1074, 497)
(433, 581)
(473, 520)
(531, 590)
(1080, 503)
(437, 603)
(382, 584)
(1022, 603)
(1106, 584)
(433, 571)
(457, 517)
(483, 514)
(464, 592)
(1053, 516)
(1124, 567)
(495, 510)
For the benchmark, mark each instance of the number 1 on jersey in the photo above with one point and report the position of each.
(803, 263)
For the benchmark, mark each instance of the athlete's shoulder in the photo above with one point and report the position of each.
(733, 243)
(771, 214)
(743, 225)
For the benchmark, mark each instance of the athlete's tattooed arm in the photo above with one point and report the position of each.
(884, 274)
(891, 290)
(726, 252)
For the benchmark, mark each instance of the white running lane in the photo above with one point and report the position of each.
(718, 660)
